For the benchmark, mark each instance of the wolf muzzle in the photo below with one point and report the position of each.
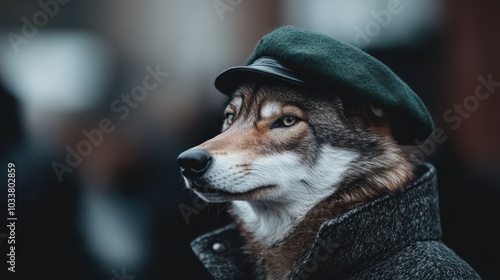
(194, 163)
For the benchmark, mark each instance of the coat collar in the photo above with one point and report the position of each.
(354, 240)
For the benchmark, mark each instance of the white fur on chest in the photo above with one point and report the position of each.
(300, 188)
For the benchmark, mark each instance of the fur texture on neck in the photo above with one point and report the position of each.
(364, 181)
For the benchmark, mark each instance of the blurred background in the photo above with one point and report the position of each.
(117, 208)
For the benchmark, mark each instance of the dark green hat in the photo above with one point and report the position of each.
(299, 56)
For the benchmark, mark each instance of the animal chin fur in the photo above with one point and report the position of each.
(279, 233)
(271, 221)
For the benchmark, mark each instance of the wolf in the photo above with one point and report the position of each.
(289, 160)
(312, 159)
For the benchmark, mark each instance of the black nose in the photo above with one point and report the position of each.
(194, 163)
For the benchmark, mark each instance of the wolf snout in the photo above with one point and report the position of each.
(194, 163)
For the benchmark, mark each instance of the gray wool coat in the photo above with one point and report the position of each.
(394, 237)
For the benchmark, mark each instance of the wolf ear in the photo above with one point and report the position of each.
(353, 108)
(367, 116)
(379, 120)
(377, 111)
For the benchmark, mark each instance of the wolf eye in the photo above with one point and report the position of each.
(289, 120)
(229, 117)
(286, 121)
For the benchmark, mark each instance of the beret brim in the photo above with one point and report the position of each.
(264, 69)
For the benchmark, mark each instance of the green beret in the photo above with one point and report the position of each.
(297, 55)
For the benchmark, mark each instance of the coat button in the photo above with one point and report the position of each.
(218, 247)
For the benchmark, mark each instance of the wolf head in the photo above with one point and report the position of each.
(285, 145)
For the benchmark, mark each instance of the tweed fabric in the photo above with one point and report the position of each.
(397, 236)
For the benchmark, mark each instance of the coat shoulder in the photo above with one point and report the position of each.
(420, 260)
